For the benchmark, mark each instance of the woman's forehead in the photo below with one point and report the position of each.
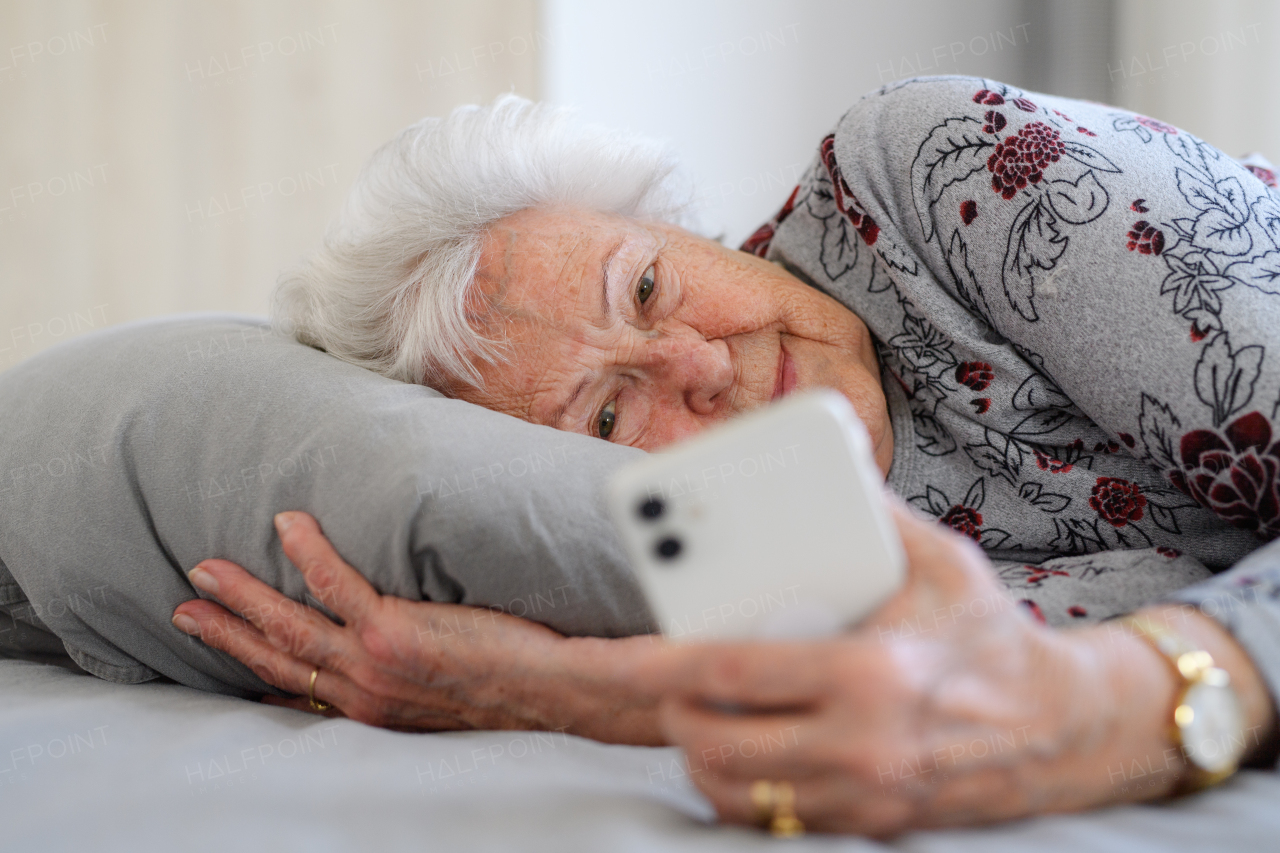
(552, 265)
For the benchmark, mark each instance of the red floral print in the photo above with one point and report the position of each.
(1139, 205)
(1109, 446)
(988, 97)
(1036, 612)
(1170, 553)
(846, 202)
(1267, 176)
(1024, 105)
(975, 374)
(1158, 126)
(963, 519)
(758, 243)
(1020, 160)
(1077, 611)
(1146, 238)
(995, 122)
(1117, 501)
(1052, 464)
(968, 211)
(1086, 131)
(1127, 439)
(1235, 473)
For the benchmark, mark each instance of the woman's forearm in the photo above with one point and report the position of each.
(580, 685)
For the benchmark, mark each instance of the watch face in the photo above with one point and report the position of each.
(1214, 736)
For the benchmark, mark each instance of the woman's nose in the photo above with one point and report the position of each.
(699, 370)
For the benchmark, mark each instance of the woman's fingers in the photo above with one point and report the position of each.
(243, 640)
(290, 626)
(748, 744)
(761, 675)
(821, 803)
(302, 703)
(331, 580)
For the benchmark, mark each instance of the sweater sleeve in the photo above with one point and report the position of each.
(1132, 266)
(1135, 265)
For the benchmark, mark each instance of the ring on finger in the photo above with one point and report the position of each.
(316, 704)
(775, 803)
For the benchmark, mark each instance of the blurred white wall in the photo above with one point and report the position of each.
(1210, 66)
(745, 89)
(161, 157)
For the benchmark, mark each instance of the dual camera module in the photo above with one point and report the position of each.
(667, 547)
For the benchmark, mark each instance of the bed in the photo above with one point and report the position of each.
(91, 765)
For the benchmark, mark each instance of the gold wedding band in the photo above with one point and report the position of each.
(775, 804)
(316, 704)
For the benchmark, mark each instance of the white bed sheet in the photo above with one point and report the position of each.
(88, 765)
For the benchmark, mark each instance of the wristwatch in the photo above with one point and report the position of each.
(1208, 723)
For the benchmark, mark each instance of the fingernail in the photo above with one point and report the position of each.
(284, 521)
(204, 580)
(186, 624)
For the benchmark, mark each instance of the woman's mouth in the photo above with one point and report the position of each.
(786, 381)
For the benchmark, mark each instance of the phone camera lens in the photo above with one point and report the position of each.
(651, 508)
(669, 548)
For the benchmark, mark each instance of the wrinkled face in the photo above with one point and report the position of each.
(642, 333)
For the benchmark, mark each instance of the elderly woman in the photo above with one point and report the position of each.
(1054, 319)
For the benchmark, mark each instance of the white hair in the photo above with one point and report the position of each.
(388, 288)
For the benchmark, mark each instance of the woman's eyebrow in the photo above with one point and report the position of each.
(606, 312)
(606, 302)
(557, 417)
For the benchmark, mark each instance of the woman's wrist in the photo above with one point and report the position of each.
(1203, 632)
(1138, 757)
(577, 685)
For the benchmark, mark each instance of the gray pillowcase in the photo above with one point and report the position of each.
(132, 454)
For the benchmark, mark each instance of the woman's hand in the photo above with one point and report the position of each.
(415, 665)
(951, 705)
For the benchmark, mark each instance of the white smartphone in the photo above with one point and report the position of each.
(770, 526)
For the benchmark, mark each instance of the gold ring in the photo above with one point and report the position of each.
(316, 704)
(775, 804)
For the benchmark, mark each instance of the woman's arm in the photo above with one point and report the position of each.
(937, 716)
(416, 665)
(950, 706)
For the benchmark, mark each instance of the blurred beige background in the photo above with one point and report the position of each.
(162, 157)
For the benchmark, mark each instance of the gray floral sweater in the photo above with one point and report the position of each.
(1078, 317)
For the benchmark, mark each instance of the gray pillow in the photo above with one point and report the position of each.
(131, 454)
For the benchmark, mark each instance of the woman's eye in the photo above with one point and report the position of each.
(605, 422)
(646, 285)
